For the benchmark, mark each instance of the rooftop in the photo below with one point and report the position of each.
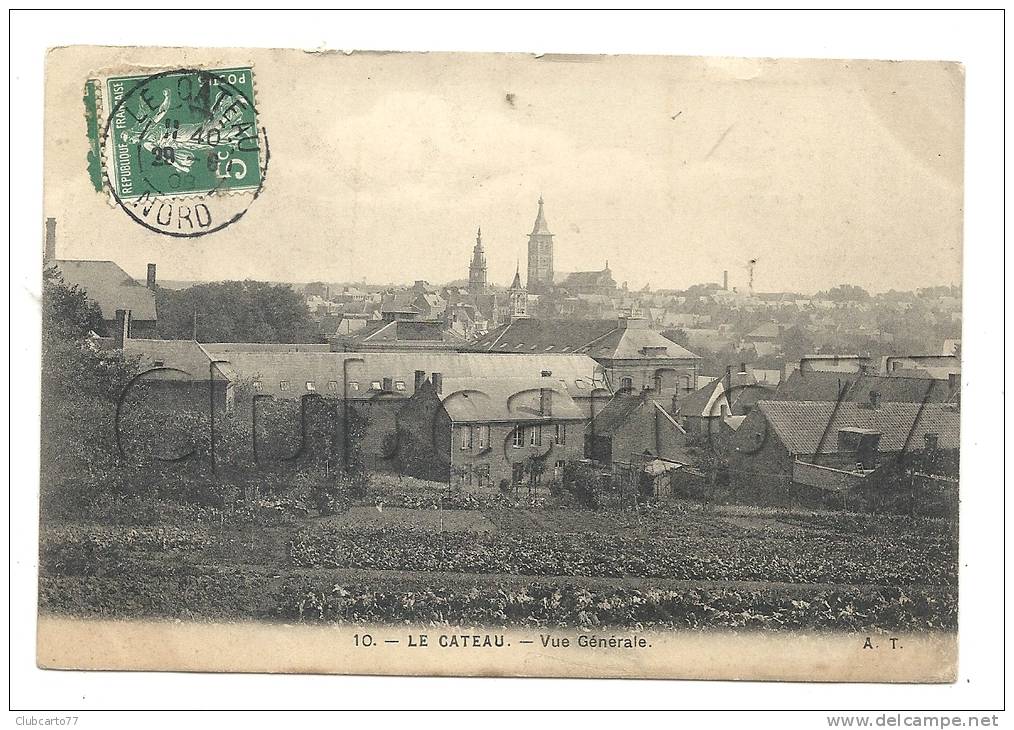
(497, 400)
(599, 338)
(801, 424)
(110, 287)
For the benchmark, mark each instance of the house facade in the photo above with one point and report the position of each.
(630, 355)
(482, 434)
(790, 447)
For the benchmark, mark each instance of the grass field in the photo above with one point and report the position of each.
(677, 567)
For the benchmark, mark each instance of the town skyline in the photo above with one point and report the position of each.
(822, 171)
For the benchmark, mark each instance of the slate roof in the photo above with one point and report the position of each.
(603, 278)
(615, 413)
(767, 330)
(364, 368)
(599, 338)
(400, 302)
(701, 402)
(825, 385)
(186, 355)
(110, 287)
(800, 424)
(216, 348)
(698, 402)
(506, 400)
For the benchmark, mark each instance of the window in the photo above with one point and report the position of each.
(561, 433)
(399, 385)
(467, 474)
(626, 384)
(257, 385)
(310, 386)
(353, 385)
(519, 437)
(558, 469)
(482, 475)
(466, 438)
(535, 436)
(332, 385)
(375, 385)
(517, 473)
(483, 437)
(283, 384)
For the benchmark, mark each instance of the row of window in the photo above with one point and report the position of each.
(518, 472)
(470, 437)
(478, 475)
(333, 385)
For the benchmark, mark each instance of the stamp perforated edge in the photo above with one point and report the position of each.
(100, 141)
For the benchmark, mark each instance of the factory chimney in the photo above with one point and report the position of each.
(49, 253)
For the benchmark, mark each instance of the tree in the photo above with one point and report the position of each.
(796, 343)
(80, 386)
(677, 335)
(845, 293)
(67, 313)
(235, 311)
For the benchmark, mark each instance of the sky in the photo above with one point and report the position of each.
(672, 169)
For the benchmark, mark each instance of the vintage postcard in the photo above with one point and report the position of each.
(501, 364)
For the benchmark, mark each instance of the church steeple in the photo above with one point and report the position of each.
(517, 297)
(477, 269)
(516, 284)
(541, 228)
(540, 253)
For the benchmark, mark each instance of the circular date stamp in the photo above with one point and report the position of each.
(182, 152)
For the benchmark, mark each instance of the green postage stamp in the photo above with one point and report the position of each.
(172, 147)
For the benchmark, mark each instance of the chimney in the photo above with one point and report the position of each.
(388, 384)
(420, 378)
(122, 327)
(953, 382)
(151, 276)
(49, 253)
(874, 399)
(932, 441)
(546, 401)
(742, 368)
(725, 280)
(438, 381)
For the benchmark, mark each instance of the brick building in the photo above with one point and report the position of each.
(632, 427)
(477, 433)
(828, 446)
(630, 355)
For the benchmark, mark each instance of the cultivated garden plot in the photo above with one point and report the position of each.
(677, 566)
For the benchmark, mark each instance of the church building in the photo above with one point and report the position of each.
(540, 255)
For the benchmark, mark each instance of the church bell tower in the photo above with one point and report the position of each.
(540, 254)
(477, 269)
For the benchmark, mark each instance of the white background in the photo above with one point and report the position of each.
(974, 38)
